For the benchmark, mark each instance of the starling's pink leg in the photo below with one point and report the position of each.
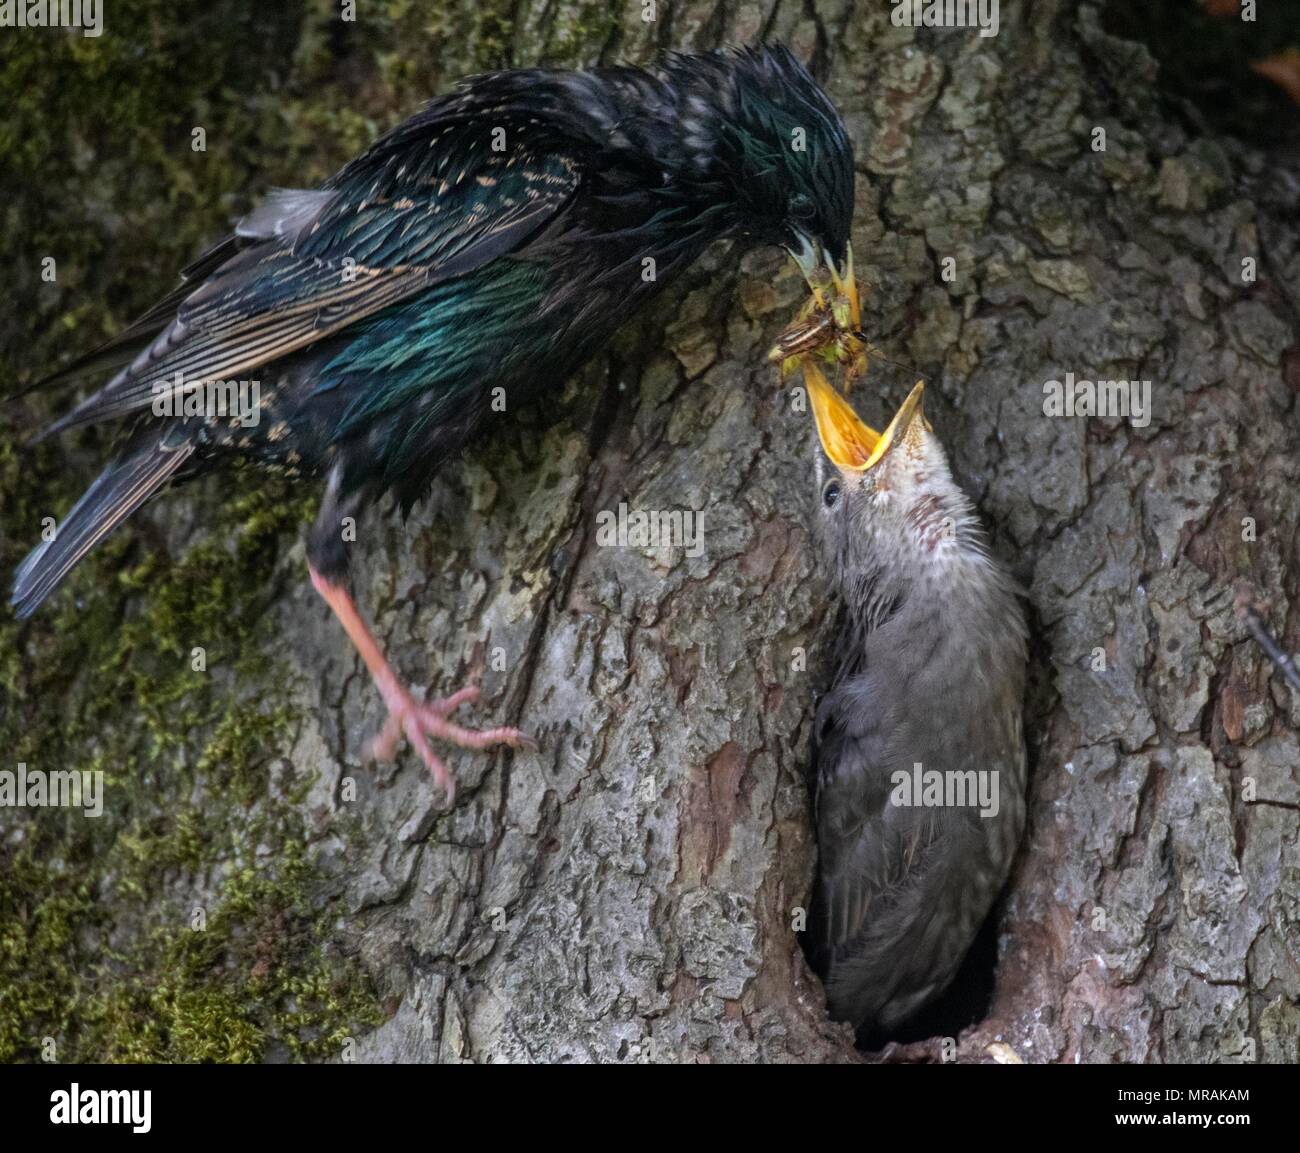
(416, 720)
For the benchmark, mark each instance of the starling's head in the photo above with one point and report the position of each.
(768, 145)
(892, 515)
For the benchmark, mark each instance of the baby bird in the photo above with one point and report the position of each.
(920, 751)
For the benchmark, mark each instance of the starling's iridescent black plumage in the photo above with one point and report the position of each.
(495, 239)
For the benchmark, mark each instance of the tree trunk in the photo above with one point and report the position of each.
(628, 892)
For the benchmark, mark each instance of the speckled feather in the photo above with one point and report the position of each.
(380, 312)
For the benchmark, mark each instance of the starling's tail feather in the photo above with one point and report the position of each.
(121, 488)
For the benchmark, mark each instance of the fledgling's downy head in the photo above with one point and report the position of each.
(892, 519)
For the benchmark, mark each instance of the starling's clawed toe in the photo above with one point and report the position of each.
(445, 706)
(418, 721)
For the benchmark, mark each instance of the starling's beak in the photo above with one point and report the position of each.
(851, 445)
(817, 267)
(846, 288)
(808, 256)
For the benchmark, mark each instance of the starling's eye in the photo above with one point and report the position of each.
(831, 493)
(801, 207)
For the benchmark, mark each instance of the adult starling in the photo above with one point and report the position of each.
(920, 759)
(493, 241)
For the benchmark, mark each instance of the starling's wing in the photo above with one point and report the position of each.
(876, 911)
(902, 885)
(120, 489)
(866, 845)
(448, 192)
(132, 340)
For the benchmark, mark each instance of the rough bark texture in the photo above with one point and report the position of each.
(627, 893)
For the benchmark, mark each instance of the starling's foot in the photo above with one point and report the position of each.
(383, 744)
(419, 720)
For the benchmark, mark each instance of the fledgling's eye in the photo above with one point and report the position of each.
(801, 207)
(831, 493)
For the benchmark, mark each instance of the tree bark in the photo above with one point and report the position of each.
(628, 892)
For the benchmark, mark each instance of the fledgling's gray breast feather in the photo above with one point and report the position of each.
(903, 890)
